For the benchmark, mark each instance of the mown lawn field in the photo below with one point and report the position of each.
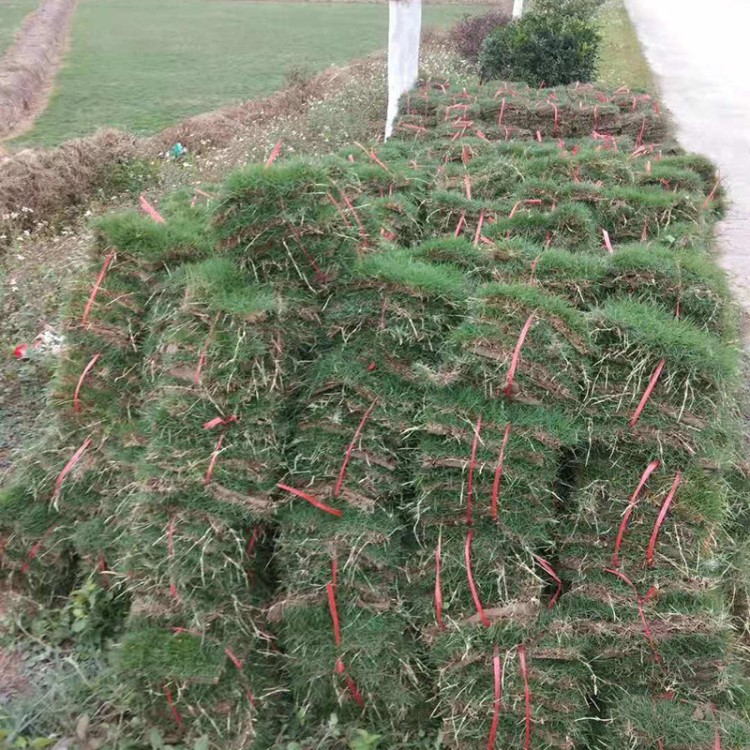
(141, 65)
(622, 60)
(12, 13)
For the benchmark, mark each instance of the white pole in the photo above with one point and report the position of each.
(517, 8)
(404, 33)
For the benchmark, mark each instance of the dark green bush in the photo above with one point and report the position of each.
(542, 48)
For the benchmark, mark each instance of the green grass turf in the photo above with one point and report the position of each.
(622, 62)
(142, 65)
(11, 15)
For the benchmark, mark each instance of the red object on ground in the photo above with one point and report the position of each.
(607, 242)
(498, 674)
(472, 466)
(350, 683)
(461, 223)
(331, 591)
(526, 694)
(499, 472)
(647, 393)
(478, 233)
(149, 210)
(95, 289)
(713, 192)
(86, 371)
(650, 469)
(275, 153)
(310, 499)
(502, 113)
(223, 421)
(172, 707)
(467, 186)
(347, 456)
(21, 351)
(548, 569)
(639, 601)
(517, 355)
(34, 551)
(212, 463)
(472, 585)
(74, 459)
(660, 520)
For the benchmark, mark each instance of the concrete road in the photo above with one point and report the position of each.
(700, 52)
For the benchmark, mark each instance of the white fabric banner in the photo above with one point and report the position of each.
(517, 8)
(405, 31)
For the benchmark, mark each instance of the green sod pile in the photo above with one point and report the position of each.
(438, 439)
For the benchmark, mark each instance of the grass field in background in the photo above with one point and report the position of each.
(141, 65)
(622, 59)
(11, 15)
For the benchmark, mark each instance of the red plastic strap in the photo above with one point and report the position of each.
(460, 225)
(86, 371)
(34, 551)
(650, 469)
(148, 209)
(331, 591)
(172, 707)
(472, 586)
(237, 662)
(526, 694)
(373, 156)
(549, 570)
(532, 273)
(557, 120)
(465, 155)
(212, 463)
(275, 153)
(347, 456)
(501, 115)
(350, 683)
(95, 289)
(478, 233)
(472, 466)
(717, 740)
(204, 352)
(310, 499)
(639, 140)
(639, 602)
(647, 393)
(517, 355)
(607, 242)
(499, 472)
(713, 192)
(223, 421)
(74, 459)
(467, 186)
(252, 541)
(660, 519)
(360, 225)
(438, 586)
(498, 674)
(339, 209)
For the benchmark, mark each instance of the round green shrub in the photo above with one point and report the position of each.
(549, 49)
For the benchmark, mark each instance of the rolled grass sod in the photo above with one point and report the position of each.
(439, 439)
